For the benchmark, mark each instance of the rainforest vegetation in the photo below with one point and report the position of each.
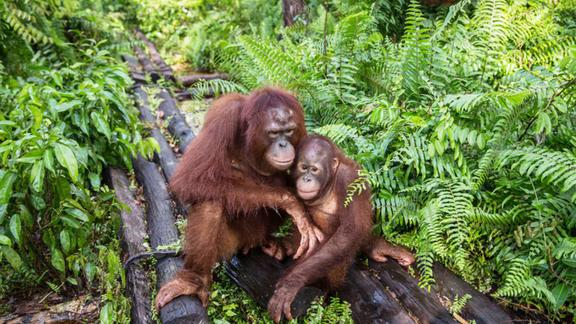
(462, 116)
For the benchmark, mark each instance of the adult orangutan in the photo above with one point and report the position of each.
(322, 175)
(234, 177)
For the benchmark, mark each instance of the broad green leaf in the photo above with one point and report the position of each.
(16, 228)
(101, 124)
(49, 160)
(90, 271)
(67, 105)
(560, 293)
(6, 186)
(37, 114)
(5, 240)
(65, 241)
(66, 158)
(12, 257)
(78, 214)
(107, 314)
(37, 176)
(94, 180)
(57, 260)
(71, 222)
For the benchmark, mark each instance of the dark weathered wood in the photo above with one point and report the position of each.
(480, 308)
(177, 124)
(258, 273)
(163, 68)
(419, 302)
(162, 231)
(132, 236)
(149, 68)
(188, 80)
(135, 68)
(82, 309)
(166, 157)
(189, 94)
(369, 300)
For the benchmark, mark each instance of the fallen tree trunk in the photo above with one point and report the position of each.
(166, 157)
(369, 300)
(135, 68)
(480, 308)
(420, 303)
(177, 125)
(164, 68)
(132, 236)
(189, 94)
(83, 309)
(162, 230)
(258, 273)
(189, 80)
(146, 64)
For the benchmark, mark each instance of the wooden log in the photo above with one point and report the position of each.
(164, 68)
(166, 157)
(189, 94)
(149, 68)
(177, 124)
(480, 308)
(189, 80)
(369, 300)
(257, 274)
(135, 68)
(420, 303)
(83, 309)
(184, 309)
(132, 236)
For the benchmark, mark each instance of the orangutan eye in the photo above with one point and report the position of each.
(303, 167)
(314, 169)
(289, 132)
(273, 133)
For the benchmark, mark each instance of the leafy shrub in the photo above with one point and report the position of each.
(58, 131)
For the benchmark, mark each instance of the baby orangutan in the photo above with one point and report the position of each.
(322, 174)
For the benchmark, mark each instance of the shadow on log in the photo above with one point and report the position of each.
(162, 231)
(420, 303)
(146, 64)
(132, 236)
(188, 80)
(369, 301)
(481, 308)
(163, 68)
(258, 273)
(177, 125)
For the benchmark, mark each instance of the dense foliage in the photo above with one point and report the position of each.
(463, 118)
(65, 115)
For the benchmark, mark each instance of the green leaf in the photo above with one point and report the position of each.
(107, 314)
(78, 214)
(5, 240)
(70, 222)
(16, 228)
(101, 124)
(58, 260)
(66, 158)
(49, 160)
(6, 186)
(37, 176)
(90, 271)
(37, 114)
(67, 105)
(12, 257)
(560, 293)
(94, 180)
(65, 241)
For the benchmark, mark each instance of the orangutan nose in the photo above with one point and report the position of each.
(283, 144)
(307, 179)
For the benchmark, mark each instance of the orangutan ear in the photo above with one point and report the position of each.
(335, 164)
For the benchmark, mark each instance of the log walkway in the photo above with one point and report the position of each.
(377, 292)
